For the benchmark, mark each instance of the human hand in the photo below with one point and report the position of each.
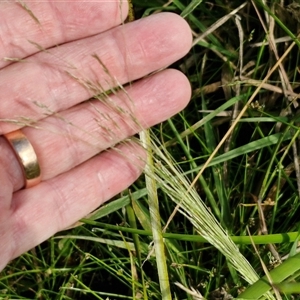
(50, 87)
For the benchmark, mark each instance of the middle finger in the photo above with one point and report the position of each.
(56, 79)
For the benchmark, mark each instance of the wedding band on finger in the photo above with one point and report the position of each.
(26, 156)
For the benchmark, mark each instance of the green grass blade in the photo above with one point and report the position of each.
(289, 287)
(250, 147)
(217, 173)
(116, 205)
(159, 246)
(286, 237)
(189, 9)
(279, 274)
(207, 118)
(137, 244)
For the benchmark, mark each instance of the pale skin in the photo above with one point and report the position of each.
(75, 180)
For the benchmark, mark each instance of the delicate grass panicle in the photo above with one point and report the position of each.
(216, 213)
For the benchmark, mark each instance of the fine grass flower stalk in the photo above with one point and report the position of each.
(172, 181)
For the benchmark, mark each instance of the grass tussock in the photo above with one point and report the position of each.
(216, 214)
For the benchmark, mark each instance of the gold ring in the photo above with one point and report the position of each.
(26, 157)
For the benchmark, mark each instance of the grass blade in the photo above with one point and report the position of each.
(159, 246)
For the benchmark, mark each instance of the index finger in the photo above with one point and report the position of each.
(50, 23)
